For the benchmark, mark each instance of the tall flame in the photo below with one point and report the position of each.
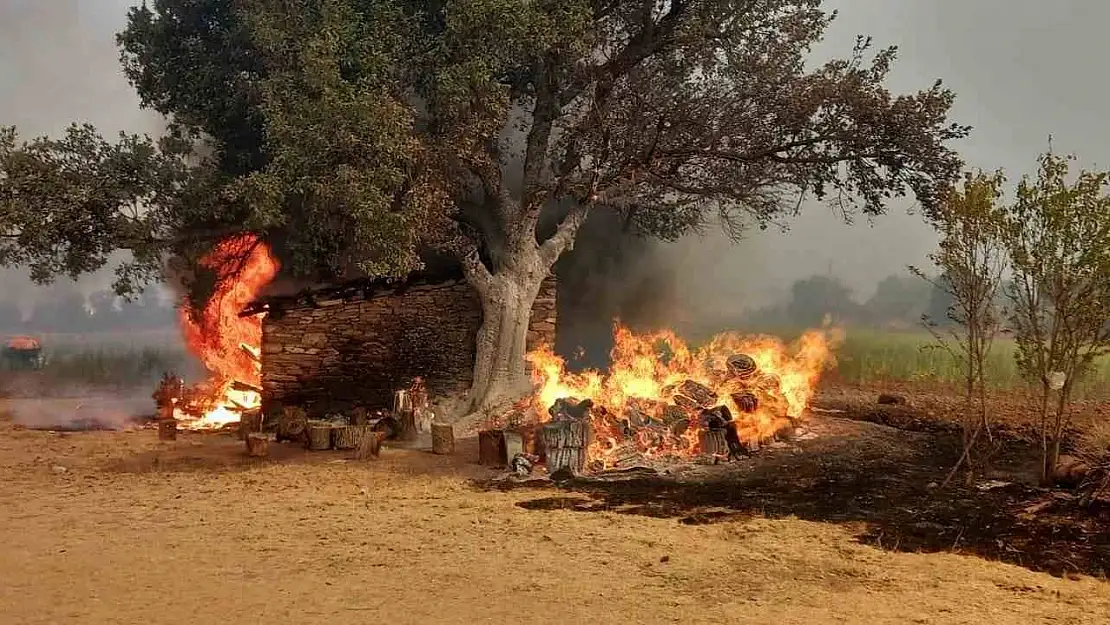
(228, 345)
(647, 369)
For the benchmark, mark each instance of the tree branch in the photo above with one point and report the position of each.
(563, 239)
(475, 271)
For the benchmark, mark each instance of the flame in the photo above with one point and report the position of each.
(228, 345)
(647, 370)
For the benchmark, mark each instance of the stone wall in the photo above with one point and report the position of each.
(342, 353)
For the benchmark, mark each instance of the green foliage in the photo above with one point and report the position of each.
(811, 299)
(1058, 236)
(345, 131)
(899, 298)
(343, 179)
(67, 204)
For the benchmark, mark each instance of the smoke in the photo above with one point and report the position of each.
(91, 412)
(59, 65)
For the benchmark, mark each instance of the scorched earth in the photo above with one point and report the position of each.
(120, 528)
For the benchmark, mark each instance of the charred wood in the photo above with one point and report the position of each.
(741, 366)
(491, 448)
(702, 395)
(746, 401)
(566, 444)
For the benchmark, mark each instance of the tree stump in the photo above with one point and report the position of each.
(532, 439)
(167, 429)
(566, 444)
(370, 446)
(514, 445)
(319, 436)
(292, 425)
(406, 420)
(250, 422)
(359, 416)
(443, 438)
(491, 448)
(258, 445)
(348, 436)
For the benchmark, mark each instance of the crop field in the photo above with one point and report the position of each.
(864, 357)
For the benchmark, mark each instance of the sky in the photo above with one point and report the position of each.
(1022, 70)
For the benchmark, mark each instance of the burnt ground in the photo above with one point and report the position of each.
(882, 483)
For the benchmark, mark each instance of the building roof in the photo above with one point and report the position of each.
(357, 289)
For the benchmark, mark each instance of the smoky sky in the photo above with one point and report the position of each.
(1022, 70)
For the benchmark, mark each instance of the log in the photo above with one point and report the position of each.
(359, 416)
(741, 366)
(746, 401)
(713, 443)
(514, 445)
(566, 444)
(406, 420)
(258, 445)
(443, 438)
(371, 444)
(167, 429)
(348, 436)
(292, 425)
(319, 436)
(532, 438)
(491, 448)
(249, 423)
(700, 393)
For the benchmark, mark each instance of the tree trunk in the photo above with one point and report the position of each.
(500, 374)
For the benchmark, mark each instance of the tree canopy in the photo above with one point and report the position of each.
(352, 134)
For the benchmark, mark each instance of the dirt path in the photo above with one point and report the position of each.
(118, 528)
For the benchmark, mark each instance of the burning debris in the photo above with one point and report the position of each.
(661, 400)
(228, 345)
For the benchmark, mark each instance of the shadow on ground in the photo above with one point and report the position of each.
(881, 483)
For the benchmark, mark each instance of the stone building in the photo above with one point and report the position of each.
(334, 347)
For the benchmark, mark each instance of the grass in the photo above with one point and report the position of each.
(105, 364)
(865, 357)
(869, 356)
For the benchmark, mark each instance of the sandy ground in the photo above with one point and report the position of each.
(119, 528)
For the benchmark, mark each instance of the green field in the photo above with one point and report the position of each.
(869, 356)
(864, 357)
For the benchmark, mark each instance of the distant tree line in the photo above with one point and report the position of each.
(901, 301)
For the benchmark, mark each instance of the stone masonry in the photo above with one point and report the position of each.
(356, 351)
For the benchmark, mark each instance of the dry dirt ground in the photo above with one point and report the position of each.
(106, 527)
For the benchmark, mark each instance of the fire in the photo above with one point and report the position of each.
(649, 370)
(228, 345)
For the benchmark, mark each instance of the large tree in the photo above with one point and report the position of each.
(347, 129)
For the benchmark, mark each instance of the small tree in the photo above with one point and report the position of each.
(972, 259)
(1058, 236)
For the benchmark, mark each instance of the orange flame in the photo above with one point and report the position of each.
(648, 369)
(228, 345)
